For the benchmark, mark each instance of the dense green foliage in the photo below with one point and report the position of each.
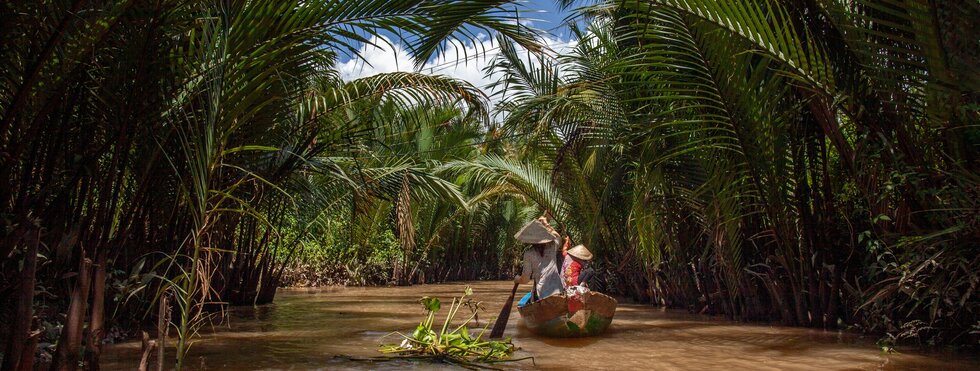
(809, 161)
(777, 160)
(201, 141)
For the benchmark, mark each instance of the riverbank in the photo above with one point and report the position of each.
(311, 328)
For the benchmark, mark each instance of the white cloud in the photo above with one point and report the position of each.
(462, 61)
(381, 57)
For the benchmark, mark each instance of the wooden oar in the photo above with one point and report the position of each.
(501, 323)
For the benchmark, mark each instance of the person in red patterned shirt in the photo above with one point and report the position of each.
(575, 274)
(574, 269)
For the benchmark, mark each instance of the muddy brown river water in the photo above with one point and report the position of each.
(310, 328)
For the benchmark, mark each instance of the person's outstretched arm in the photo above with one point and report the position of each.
(544, 221)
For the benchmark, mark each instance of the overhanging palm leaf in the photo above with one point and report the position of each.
(526, 179)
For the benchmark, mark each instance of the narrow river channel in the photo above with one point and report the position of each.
(310, 328)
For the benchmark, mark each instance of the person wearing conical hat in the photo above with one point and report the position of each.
(575, 269)
(575, 273)
(540, 265)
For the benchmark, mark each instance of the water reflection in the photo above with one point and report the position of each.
(317, 328)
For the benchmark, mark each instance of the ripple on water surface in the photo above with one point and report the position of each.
(315, 328)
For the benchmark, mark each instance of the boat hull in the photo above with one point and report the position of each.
(550, 316)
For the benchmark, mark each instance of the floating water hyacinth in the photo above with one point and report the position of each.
(456, 345)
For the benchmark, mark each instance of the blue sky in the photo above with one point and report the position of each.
(550, 16)
(544, 15)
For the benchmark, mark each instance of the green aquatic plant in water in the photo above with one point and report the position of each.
(451, 344)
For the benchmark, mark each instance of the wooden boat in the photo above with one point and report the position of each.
(550, 316)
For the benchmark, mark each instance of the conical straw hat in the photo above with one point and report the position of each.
(580, 252)
(534, 232)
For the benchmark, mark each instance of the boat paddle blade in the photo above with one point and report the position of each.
(501, 323)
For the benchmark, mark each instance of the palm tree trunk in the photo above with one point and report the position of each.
(97, 321)
(19, 343)
(406, 234)
(66, 357)
(163, 326)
